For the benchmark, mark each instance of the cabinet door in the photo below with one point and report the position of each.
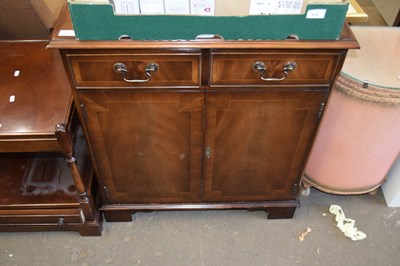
(256, 143)
(147, 145)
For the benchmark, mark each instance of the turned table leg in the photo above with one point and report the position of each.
(65, 139)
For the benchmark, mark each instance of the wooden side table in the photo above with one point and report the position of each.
(38, 130)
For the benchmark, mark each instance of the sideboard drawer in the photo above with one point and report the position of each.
(238, 68)
(135, 70)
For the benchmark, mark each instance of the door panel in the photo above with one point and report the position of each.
(258, 143)
(148, 146)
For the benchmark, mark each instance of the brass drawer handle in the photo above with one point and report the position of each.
(261, 69)
(121, 68)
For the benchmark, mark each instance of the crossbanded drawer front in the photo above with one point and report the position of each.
(135, 70)
(264, 69)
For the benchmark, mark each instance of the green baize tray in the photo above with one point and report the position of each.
(98, 22)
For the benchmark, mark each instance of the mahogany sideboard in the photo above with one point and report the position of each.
(39, 138)
(204, 124)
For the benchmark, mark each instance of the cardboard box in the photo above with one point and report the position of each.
(126, 7)
(48, 10)
(151, 7)
(28, 19)
(391, 188)
(177, 7)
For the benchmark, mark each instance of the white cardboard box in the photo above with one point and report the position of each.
(152, 7)
(391, 188)
(126, 7)
(202, 7)
(177, 7)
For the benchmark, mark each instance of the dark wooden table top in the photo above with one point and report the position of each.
(34, 95)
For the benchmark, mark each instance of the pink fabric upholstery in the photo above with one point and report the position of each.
(357, 143)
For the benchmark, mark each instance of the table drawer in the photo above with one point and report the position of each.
(241, 69)
(40, 216)
(135, 70)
